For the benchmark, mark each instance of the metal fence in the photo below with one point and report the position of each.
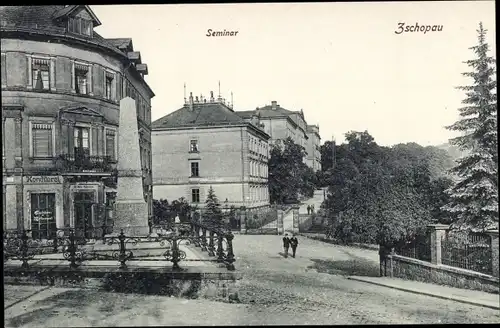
(77, 246)
(262, 223)
(418, 248)
(471, 252)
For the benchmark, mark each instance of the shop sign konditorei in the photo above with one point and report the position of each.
(41, 179)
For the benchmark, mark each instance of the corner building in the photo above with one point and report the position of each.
(61, 87)
(205, 143)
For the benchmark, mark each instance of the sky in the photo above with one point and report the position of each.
(342, 63)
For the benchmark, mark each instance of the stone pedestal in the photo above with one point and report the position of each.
(131, 209)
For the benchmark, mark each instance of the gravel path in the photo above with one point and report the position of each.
(310, 289)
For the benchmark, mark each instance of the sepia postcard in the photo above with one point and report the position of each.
(233, 164)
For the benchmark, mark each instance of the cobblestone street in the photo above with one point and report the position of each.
(309, 289)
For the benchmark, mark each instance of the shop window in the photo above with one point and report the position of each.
(43, 221)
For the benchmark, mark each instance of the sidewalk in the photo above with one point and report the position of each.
(466, 296)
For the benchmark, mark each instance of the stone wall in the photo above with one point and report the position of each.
(412, 269)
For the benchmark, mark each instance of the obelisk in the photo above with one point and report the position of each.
(131, 210)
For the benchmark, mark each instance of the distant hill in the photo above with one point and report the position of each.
(454, 152)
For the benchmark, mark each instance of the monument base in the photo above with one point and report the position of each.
(131, 217)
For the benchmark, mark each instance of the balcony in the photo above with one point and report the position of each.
(83, 163)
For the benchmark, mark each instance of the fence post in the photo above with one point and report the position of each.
(295, 213)
(243, 226)
(494, 251)
(437, 232)
(281, 228)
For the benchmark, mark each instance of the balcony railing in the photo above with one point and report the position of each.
(84, 163)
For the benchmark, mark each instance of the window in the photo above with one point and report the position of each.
(81, 79)
(43, 223)
(195, 195)
(110, 144)
(40, 68)
(80, 26)
(193, 146)
(195, 169)
(109, 86)
(81, 141)
(42, 140)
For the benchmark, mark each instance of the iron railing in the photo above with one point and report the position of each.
(82, 163)
(418, 248)
(472, 252)
(78, 247)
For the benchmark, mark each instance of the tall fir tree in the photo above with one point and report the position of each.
(473, 202)
(212, 206)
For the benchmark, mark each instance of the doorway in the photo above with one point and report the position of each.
(83, 205)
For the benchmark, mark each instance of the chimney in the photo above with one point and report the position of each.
(212, 99)
(274, 104)
(255, 120)
(197, 100)
(190, 101)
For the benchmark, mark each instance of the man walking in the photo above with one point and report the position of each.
(294, 242)
(308, 209)
(286, 244)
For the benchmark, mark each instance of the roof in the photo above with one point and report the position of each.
(42, 20)
(266, 112)
(121, 43)
(68, 9)
(202, 115)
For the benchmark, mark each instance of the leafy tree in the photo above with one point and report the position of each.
(288, 174)
(161, 211)
(474, 197)
(379, 194)
(181, 207)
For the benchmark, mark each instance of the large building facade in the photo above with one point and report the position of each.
(281, 123)
(61, 87)
(206, 144)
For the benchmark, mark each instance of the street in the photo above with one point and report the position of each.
(309, 289)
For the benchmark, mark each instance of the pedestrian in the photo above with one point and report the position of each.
(308, 209)
(312, 209)
(286, 244)
(294, 242)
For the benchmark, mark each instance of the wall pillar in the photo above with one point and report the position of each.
(19, 142)
(494, 251)
(295, 212)
(281, 229)
(243, 224)
(437, 232)
(71, 132)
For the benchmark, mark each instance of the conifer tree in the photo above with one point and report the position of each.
(473, 202)
(212, 206)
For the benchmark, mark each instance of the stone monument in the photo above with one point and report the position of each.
(131, 210)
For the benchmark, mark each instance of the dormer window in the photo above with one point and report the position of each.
(79, 25)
